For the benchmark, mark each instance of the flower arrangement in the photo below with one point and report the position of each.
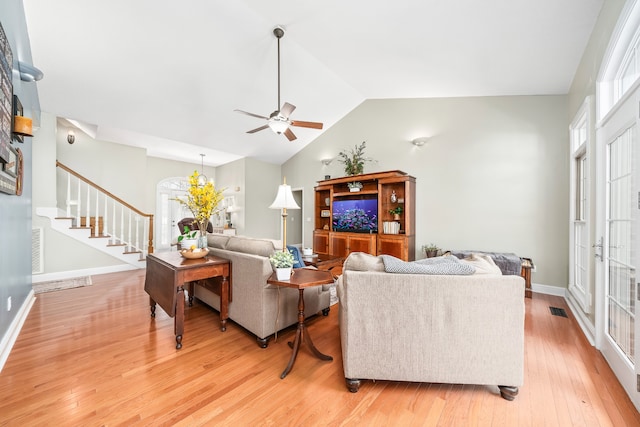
(354, 159)
(202, 201)
(282, 259)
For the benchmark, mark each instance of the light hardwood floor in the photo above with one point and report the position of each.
(93, 356)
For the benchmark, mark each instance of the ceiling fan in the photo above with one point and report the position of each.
(279, 120)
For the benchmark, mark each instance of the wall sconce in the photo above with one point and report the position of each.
(326, 162)
(29, 73)
(22, 126)
(71, 137)
(419, 142)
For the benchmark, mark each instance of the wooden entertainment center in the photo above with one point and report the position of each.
(390, 189)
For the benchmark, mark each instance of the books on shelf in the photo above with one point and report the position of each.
(390, 227)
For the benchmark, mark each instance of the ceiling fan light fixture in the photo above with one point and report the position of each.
(278, 125)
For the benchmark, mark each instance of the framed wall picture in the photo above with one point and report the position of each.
(17, 111)
(11, 167)
(6, 96)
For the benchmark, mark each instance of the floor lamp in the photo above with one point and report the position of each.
(284, 200)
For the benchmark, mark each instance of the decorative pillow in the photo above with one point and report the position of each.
(483, 263)
(361, 261)
(446, 265)
(297, 263)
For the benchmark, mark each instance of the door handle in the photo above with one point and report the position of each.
(598, 249)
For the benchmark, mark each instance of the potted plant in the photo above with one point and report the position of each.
(431, 250)
(354, 186)
(354, 160)
(188, 239)
(282, 262)
(396, 212)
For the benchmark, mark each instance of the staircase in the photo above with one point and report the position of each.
(96, 218)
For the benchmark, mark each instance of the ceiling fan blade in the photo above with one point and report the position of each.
(314, 125)
(287, 109)
(252, 115)
(258, 129)
(290, 136)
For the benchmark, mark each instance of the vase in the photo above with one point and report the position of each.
(283, 273)
(202, 241)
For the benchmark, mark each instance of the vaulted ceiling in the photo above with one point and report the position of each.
(167, 75)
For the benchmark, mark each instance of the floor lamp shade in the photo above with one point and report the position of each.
(284, 200)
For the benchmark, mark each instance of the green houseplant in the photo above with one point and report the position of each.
(188, 238)
(430, 250)
(354, 159)
(396, 212)
(282, 262)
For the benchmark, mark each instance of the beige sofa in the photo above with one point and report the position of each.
(260, 308)
(430, 328)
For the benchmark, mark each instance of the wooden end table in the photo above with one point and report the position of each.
(168, 272)
(302, 278)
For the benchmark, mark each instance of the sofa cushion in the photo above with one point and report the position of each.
(250, 246)
(361, 261)
(483, 264)
(217, 241)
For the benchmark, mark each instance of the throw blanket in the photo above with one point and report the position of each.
(438, 265)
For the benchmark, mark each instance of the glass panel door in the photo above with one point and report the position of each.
(622, 242)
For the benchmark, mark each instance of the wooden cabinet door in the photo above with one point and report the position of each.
(338, 244)
(393, 245)
(321, 242)
(362, 243)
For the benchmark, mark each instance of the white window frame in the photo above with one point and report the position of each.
(579, 228)
(622, 49)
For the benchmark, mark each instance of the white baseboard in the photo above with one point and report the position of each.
(548, 290)
(62, 275)
(10, 337)
(588, 329)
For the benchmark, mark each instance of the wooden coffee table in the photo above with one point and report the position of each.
(325, 262)
(168, 272)
(302, 278)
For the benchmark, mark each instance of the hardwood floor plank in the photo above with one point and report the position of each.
(94, 356)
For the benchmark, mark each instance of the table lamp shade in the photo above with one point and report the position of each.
(284, 198)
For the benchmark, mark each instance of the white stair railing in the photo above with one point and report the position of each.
(135, 222)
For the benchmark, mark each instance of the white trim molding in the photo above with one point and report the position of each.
(15, 327)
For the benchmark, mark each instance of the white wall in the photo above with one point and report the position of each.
(494, 175)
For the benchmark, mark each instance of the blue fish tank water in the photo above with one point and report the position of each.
(357, 216)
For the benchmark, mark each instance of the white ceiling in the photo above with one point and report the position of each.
(167, 75)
